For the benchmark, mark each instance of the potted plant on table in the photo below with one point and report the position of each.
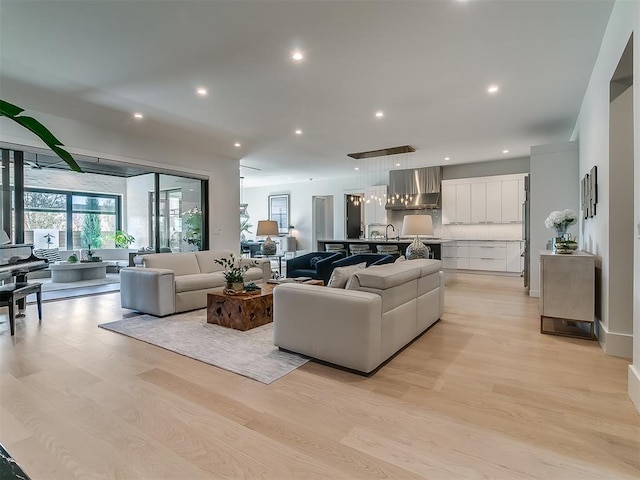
(560, 220)
(234, 272)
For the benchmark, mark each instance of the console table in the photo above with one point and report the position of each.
(567, 294)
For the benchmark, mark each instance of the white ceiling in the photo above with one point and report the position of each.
(426, 64)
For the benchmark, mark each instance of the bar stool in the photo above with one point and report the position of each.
(335, 247)
(356, 248)
(12, 292)
(388, 250)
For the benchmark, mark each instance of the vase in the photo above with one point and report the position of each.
(559, 239)
(561, 231)
(237, 286)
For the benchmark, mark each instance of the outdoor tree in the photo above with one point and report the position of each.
(91, 234)
(42, 212)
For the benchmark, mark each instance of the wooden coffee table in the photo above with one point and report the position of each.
(243, 311)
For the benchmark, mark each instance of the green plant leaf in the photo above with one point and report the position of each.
(9, 110)
(66, 156)
(12, 111)
(40, 130)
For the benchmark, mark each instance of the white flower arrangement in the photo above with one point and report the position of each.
(559, 220)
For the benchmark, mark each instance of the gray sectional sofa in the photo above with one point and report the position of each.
(381, 310)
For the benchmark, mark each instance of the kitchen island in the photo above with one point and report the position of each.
(435, 244)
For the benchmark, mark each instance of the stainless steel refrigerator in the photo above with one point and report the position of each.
(526, 233)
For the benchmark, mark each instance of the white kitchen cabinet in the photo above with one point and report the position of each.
(462, 254)
(375, 200)
(478, 202)
(489, 255)
(511, 205)
(494, 201)
(521, 197)
(483, 200)
(463, 203)
(448, 192)
(514, 257)
(456, 255)
(456, 203)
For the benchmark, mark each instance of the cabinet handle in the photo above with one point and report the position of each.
(484, 258)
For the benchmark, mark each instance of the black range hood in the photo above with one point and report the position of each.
(414, 189)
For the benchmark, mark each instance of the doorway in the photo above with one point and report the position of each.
(353, 215)
(322, 219)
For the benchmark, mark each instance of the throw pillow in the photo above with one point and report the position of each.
(51, 254)
(401, 258)
(314, 261)
(341, 275)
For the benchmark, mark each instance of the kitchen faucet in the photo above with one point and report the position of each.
(386, 231)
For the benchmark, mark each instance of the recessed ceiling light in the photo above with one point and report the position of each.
(493, 89)
(237, 144)
(298, 132)
(397, 164)
(447, 158)
(297, 56)
(138, 115)
(505, 151)
(379, 114)
(202, 91)
(357, 168)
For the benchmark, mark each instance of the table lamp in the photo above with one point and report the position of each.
(266, 228)
(417, 225)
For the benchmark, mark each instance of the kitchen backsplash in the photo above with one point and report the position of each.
(509, 231)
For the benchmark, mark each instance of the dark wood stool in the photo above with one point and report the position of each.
(12, 292)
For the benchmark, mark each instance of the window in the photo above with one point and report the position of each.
(70, 220)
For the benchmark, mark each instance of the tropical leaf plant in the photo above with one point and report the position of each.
(13, 112)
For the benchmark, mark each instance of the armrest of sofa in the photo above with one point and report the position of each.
(148, 290)
(343, 327)
(263, 263)
(301, 261)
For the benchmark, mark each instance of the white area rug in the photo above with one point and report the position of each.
(251, 353)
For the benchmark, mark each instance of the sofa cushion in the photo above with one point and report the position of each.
(341, 275)
(181, 263)
(429, 266)
(199, 281)
(386, 276)
(401, 258)
(207, 260)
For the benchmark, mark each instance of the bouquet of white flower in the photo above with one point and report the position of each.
(560, 220)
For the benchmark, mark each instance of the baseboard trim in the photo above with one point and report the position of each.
(615, 344)
(634, 386)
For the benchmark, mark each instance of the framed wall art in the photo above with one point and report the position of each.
(279, 211)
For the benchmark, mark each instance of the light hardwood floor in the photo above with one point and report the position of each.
(481, 395)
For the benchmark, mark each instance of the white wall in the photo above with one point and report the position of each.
(592, 132)
(134, 143)
(554, 185)
(300, 208)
